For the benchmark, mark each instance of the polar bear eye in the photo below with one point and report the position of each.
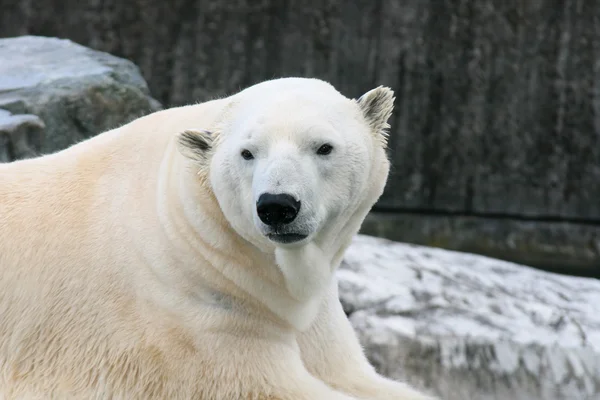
(325, 149)
(247, 155)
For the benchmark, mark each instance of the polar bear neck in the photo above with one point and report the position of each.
(212, 257)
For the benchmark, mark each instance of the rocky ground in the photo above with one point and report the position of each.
(471, 327)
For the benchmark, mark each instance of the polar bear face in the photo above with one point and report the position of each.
(294, 158)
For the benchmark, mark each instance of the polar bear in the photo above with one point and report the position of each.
(190, 254)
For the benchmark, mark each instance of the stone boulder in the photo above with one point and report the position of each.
(19, 135)
(54, 92)
(469, 327)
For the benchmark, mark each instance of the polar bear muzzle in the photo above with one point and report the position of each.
(277, 211)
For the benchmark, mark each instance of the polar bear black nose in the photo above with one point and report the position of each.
(277, 209)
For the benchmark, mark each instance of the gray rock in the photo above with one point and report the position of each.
(20, 135)
(469, 327)
(67, 91)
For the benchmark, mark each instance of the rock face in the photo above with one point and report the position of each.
(470, 327)
(54, 93)
(497, 103)
(20, 135)
(557, 246)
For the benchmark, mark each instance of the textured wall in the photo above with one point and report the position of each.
(497, 110)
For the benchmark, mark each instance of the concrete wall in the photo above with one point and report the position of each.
(497, 112)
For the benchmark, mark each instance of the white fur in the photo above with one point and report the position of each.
(134, 265)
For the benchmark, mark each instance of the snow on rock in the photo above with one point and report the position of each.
(470, 327)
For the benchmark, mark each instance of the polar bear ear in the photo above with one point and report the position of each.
(195, 144)
(377, 106)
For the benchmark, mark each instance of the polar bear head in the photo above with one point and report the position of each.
(293, 161)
